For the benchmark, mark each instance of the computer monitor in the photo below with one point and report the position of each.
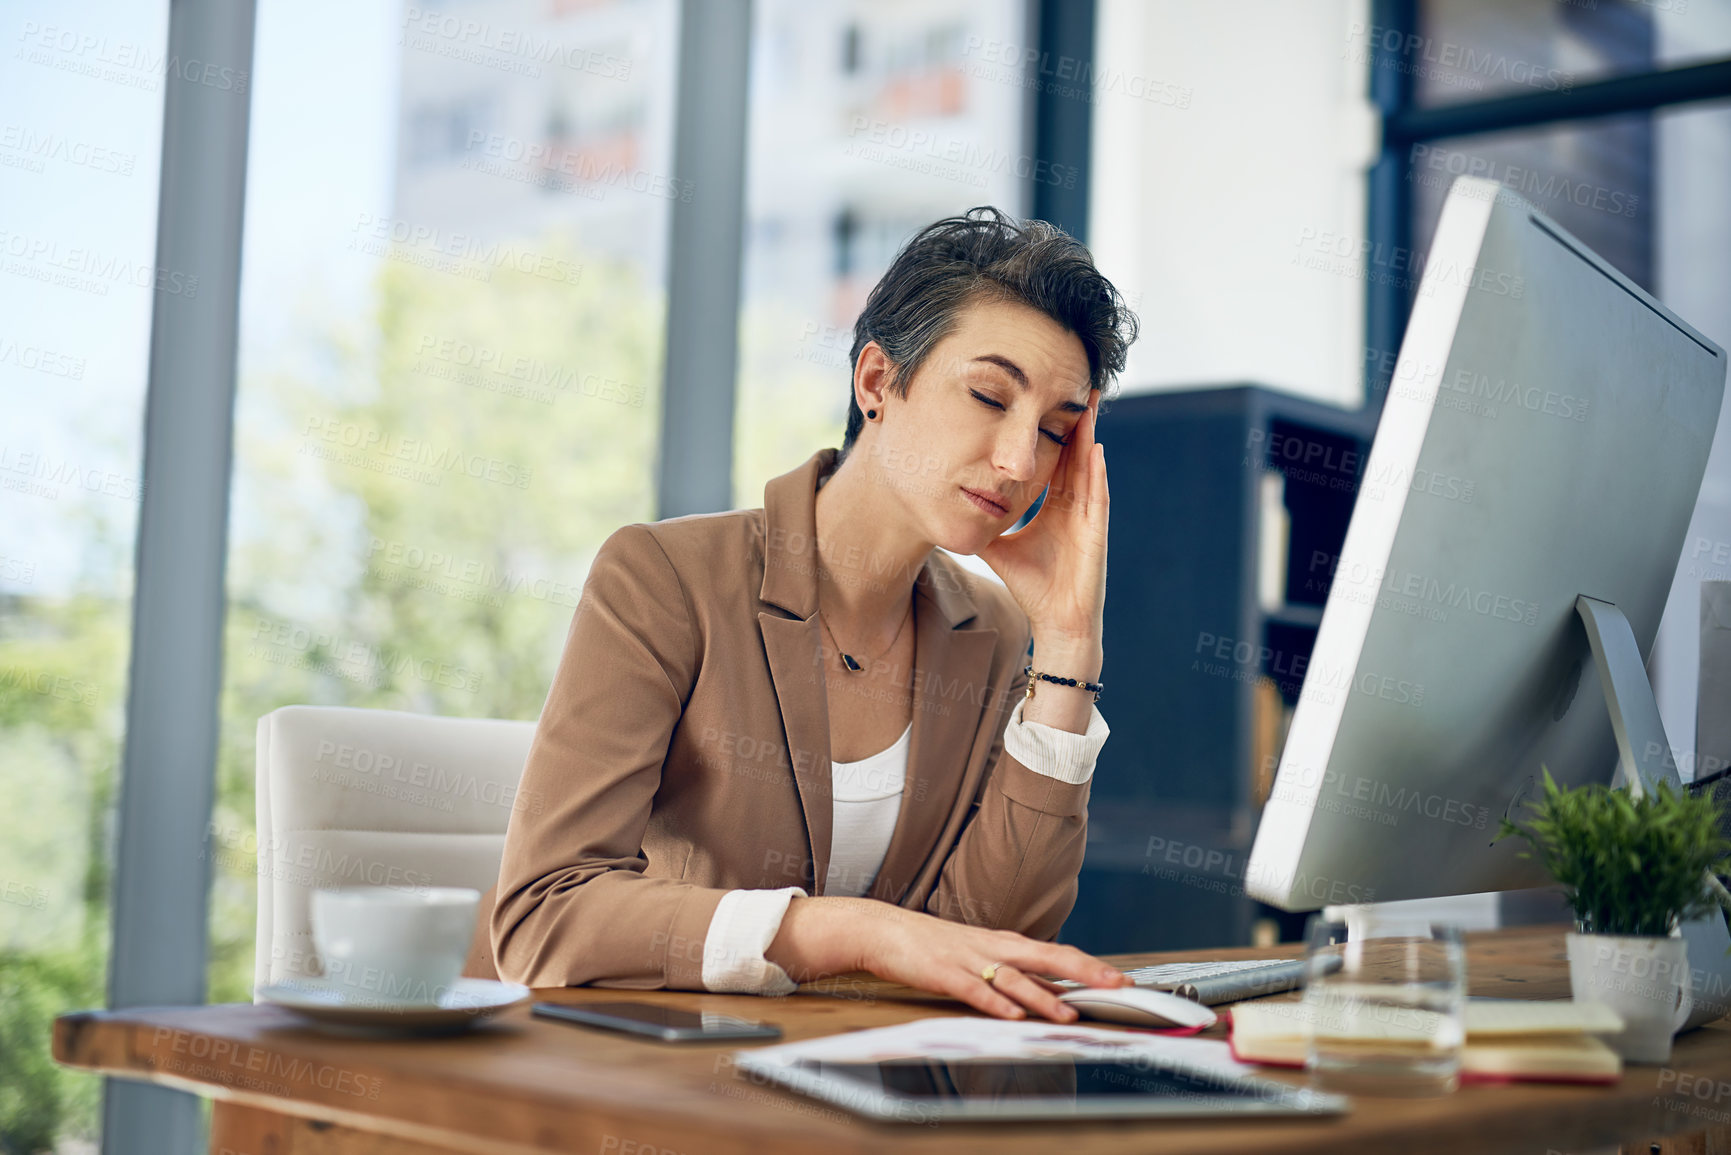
(1521, 513)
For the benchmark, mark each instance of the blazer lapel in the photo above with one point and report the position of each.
(792, 644)
(794, 656)
(953, 668)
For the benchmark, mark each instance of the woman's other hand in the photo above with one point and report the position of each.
(829, 935)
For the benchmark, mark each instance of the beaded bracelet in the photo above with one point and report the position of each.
(1095, 687)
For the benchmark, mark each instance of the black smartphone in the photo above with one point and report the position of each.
(668, 1024)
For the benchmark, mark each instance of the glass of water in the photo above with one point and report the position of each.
(1385, 1005)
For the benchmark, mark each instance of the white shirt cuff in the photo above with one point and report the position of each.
(1056, 753)
(744, 924)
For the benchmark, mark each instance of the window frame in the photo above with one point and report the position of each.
(1405, 123)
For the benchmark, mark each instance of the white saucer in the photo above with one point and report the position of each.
(467, 1002)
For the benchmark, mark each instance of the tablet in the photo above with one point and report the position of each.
(1119, 1086)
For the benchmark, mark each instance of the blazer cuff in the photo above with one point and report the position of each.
(744, 924)
(1056, 753)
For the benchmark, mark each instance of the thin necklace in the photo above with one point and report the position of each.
(851, 663)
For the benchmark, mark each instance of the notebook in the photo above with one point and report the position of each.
(1507, 1040)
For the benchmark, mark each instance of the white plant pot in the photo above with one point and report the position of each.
(1645, 979)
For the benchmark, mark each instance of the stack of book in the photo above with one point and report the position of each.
(1507, 1040)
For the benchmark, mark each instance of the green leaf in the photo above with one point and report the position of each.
(1627, 865)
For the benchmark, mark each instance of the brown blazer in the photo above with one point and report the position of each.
(684, 752)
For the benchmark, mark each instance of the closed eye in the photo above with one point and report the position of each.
(984, 400)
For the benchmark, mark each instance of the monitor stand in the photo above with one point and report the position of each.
(1644, 761)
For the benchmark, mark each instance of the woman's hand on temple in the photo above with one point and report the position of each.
(1055, 566)
(822, 936)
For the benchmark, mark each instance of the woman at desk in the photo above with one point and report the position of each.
(788, 742)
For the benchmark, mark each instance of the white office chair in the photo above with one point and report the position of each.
(351, 797)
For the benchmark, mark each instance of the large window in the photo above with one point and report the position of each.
(867, 121)
(450, 351)
(1595, 178)
(1480, 49)
(80, 146)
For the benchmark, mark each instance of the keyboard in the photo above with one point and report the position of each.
(1163, 974)
(1218, 982)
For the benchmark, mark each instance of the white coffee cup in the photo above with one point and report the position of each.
(391, 947)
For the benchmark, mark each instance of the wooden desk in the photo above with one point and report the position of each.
(528, 1085)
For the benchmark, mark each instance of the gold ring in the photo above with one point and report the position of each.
(990, 971)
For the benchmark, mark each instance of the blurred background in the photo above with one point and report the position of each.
(453, 332)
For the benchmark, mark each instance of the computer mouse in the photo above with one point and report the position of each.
(1138, 1007)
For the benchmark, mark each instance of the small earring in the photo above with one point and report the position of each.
(871, 414)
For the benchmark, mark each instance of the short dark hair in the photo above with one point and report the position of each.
(985, 255)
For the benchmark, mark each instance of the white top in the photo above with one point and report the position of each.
(866, 801)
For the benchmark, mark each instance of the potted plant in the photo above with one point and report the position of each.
(1633, 869)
